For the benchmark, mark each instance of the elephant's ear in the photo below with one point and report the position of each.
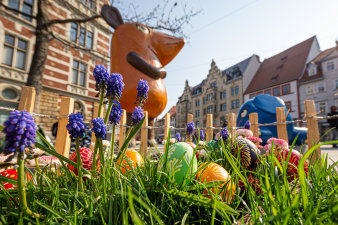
(268, 103)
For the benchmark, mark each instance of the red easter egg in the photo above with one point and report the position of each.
(214, 172)
(86, 155)
(133, 157)
(292, 168)
(12, 173)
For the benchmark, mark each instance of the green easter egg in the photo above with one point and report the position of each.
(178, 162)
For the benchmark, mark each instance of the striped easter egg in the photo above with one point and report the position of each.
(248, 153)
(86, 155)
(292, 167)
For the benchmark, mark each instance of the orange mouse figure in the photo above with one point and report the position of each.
(138, 52)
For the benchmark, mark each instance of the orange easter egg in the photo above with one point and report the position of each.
(131, 156)
(214, 172)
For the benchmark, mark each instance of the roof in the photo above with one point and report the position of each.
(317, 61)
(281, 68)
(241, 67)
(172, 111)
(198, 87)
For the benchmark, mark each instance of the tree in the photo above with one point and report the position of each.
(44, 32)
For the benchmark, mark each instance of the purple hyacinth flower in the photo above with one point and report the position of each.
(137, 115)
(115, 113)
(115, 86)
(20, 130)
(99, 128)
(224, 134)
(101, 76)
(76, 127)
(178, 137)
(190, 128)
(142, 91)
(247, 125)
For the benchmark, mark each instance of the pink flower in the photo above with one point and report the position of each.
(279, 145)
(267, 148)
(244, 133)
(255, 140)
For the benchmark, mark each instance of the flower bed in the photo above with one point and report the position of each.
(230, 182)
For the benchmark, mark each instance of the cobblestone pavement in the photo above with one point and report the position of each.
(331, 152)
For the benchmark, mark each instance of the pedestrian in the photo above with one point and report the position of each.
(333, 124)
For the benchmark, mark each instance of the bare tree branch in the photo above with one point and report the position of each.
(73, 20)
(73, 45)
(17, 11)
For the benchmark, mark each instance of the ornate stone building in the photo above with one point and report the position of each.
(68, 71)
(220, 93)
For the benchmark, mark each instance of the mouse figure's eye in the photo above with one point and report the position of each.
(142, 28)
(244, 113)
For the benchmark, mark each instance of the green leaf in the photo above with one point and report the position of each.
(8, 180)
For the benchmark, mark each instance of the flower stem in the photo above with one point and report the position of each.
(37, 165)
(101, 104)
(110, 106)
(22, 187)
(79, 163)
(112, 143)
(95, 156)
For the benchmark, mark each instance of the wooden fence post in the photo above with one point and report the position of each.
(190, 119)
(209, 129)
(144, 135)
(62, 144)
(27, 99)
(122, 132)
(253, 118)
(312, 129)
(95, 115)
(166, 126)
(281, 125)
(232, 124)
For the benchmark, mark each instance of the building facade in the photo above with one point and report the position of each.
(68, 70)
(279, 75)
(320, 83)
(219, 94)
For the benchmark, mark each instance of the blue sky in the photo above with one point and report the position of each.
(229, 31)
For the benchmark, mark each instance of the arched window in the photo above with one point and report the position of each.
(9, 97)
(79, 108)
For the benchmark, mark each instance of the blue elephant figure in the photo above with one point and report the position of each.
(265, 106)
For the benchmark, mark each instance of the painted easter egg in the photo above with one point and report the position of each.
(12, 173)
(179, 158)
(292, 168)
(191, 144)
(131, 157)
(86, 155)
(248, 153)
(214, 172)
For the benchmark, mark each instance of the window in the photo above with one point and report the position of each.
(233, 104)
(213, 84)
(78, 108)
(288, 106)
(276, 91)
(81, 36)
(232, 91)
(204, 111)
(209, 109)
(14, 53)
(197, 102)
(312, 71)
(330, 66)
(79, 73)
(309, 90)
(25, 6)
(210, 97)
(259, 93)
(236, 90)
(267, 92)
(286, 89)
(197, 113)
(322, 107)
(279, 68)
(237, 103)
(204, 101)
(197, 123)
(223, 107)
(89, 3)
(252, 95)
(215, 108)
(321, 87)
(336, 84)
(223, 94)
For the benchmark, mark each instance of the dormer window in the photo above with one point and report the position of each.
(330, 66)
(284, 58)
(312, 70)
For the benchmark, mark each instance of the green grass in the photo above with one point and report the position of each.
(145, 195)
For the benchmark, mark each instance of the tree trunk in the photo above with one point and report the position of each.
(35, 75)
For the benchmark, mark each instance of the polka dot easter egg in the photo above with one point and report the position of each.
(86, 155)
(11, 173)
(131, 157)
(180, 156)
(248, 153)
(292, 167)
(214, 172)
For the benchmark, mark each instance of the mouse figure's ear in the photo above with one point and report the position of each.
(111, 15)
